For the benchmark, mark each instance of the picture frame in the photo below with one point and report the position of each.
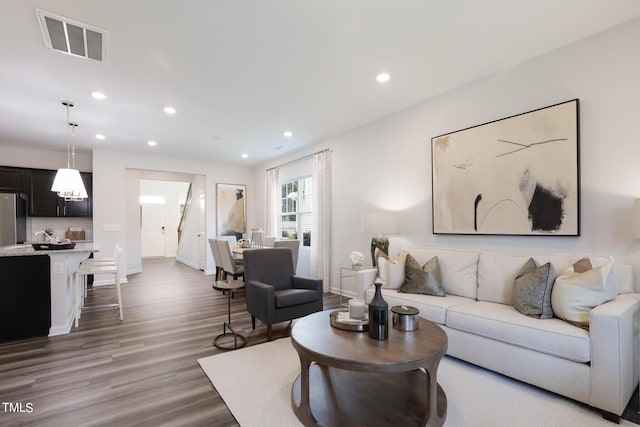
(519, 175)
(231, 210)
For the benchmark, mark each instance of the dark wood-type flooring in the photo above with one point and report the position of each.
(142, 371)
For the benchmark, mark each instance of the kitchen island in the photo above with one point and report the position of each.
(37, 290)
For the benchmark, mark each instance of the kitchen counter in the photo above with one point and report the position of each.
(27, 250)
(45, 277)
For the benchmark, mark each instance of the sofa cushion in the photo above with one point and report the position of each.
(422, 279)
(496, 271)
(504, 323)
(575, 293)
(430, 307)
(532, 290)
(458, 268)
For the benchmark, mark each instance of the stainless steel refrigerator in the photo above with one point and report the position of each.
(13, 219)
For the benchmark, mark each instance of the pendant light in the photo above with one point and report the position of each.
(68, 182)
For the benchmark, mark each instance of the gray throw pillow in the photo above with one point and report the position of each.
(532, 290)
(422, 280)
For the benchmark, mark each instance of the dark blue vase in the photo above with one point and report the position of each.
(378, 316)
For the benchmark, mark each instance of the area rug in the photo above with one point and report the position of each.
(255, 383)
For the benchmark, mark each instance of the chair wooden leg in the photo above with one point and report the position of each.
(253, 322)
(269, 330)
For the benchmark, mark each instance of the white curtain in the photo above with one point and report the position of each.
(272, 208)
(321, 229)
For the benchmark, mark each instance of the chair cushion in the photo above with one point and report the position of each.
(289, 297)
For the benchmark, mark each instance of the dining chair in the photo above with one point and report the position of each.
(294, 245)
(229, 265)
(91, 268)
(216, 258)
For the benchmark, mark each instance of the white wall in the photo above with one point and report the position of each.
(387, 164)
(112, 194)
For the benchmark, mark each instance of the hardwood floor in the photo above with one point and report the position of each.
(141, 371)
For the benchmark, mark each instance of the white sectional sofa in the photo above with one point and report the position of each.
(598, 366)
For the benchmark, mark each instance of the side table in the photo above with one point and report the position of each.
(350, 271)
(239, 341)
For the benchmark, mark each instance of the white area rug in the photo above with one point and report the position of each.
(255, 383)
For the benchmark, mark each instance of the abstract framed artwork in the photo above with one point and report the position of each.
(514, 176)
(231, 210)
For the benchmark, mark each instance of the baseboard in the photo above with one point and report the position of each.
(134, 271)
(189, 263)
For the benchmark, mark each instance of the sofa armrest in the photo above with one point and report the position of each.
(365, 281)
(260, 300)
(613, 327)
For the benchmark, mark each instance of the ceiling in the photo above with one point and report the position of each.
(241, 72)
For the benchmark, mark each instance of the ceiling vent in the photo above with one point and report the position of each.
(73, 38)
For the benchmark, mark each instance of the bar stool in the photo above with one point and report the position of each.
(98, 261)
(86, 269)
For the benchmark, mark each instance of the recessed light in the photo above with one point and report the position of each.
(98, 95)
(169, 110)
(100, 136)
(245, 155)
(152, 143)
(383, 77)
(287, 134)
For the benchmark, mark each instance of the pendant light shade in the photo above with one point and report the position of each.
(68, 182)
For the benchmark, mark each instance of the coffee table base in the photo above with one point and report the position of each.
(344, 398)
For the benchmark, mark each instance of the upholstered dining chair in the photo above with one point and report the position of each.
(216, 258)
(294, 245)
(229, 265)
(274, 293)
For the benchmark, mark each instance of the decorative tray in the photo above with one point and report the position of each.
(351, 325)
(53, 246)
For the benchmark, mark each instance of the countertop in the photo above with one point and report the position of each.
(26, 249)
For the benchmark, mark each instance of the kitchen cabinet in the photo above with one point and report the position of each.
(45, 203)
(12, 180)
(25, 297)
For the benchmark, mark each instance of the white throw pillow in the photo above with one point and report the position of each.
(392, 271)
(574, 294)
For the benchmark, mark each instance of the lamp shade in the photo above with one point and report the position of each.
(380, 222)
(68, 184)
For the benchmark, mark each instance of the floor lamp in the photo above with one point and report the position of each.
(380, 224)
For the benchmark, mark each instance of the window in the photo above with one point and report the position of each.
(296, 209)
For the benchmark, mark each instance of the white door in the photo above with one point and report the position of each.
(202, 234)
(153, 230)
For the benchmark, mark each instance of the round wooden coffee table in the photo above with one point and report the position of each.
(362, 381)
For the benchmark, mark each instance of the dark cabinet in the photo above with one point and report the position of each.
(12, 180)
(25, 297)
(45, 203)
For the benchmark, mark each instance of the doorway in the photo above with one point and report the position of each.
(161, 206)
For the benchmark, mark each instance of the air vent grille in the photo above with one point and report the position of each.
(73, 38)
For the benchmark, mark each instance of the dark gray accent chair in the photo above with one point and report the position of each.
(274, 293)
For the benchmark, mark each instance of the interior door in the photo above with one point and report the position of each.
(202, 233)
(153, 229)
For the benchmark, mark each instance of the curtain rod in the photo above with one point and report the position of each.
(298, 159)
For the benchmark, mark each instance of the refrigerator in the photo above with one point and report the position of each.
(13, 219)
